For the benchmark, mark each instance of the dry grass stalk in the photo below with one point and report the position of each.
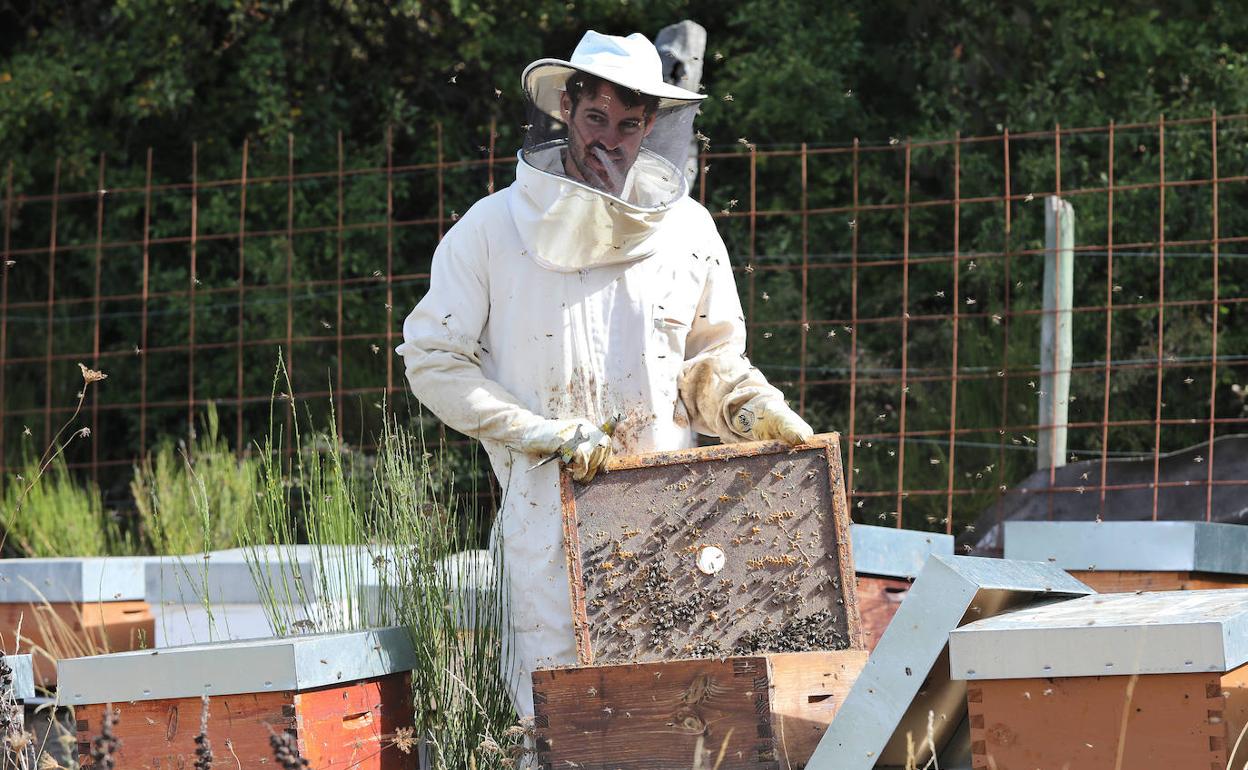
(1230, 760)
(59, 638)
(927, 744)
(699, 752)
(1122, 728)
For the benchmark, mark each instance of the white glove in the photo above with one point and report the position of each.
(769, 419)
(583, 447)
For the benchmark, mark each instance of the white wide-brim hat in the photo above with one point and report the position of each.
(631, 62)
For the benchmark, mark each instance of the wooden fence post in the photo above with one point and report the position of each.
(1055, 332)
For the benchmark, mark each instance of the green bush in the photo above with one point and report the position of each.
(54, 514)
(196, 500)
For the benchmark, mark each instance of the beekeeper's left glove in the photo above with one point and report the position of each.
(583, 447)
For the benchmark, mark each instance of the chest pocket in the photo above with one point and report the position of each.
(673, 315)
(670, 331)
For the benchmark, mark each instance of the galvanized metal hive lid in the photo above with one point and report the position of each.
(228, 668)
(892, 552)
(905, 680)
(228, 577)
(1164, 632)
(721, 550)
(1147, 546)
(72, 579)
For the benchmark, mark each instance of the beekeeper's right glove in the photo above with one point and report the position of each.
(583, 447)
(767, 418)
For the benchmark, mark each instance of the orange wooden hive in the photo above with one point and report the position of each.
(1121, 556)
(713, 551)
(1149, 681)
(759, 711)
(72, 607)
(886, 560)
(346, 697)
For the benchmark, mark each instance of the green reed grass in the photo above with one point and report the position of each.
(338, 543)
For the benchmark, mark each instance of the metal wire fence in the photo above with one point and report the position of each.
(893, 289)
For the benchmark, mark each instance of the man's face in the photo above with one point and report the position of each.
(604, 137)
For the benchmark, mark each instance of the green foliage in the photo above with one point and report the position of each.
(197, 500)
(55, 514)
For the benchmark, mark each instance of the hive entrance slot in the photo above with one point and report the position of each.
(357, 721)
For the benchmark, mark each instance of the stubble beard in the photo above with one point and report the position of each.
(579, 154)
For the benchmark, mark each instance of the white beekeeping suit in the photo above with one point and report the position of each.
(590, 287)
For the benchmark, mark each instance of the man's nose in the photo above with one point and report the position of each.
(609, 138)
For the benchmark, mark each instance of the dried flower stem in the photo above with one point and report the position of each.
(286, 751)
(54, 450)
(105, 745)
(203, 749)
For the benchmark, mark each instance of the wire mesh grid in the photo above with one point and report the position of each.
(893, 289)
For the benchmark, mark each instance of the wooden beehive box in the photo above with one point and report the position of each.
(713, 551)
(69, 607)
(1140, 680)
(758, 711)
(1120, 556)
(886, 561)
(342, 695)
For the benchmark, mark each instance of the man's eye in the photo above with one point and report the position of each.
(630, 127)
(598, 119)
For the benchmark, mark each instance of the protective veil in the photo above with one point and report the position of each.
(611, 158)
(554, 299)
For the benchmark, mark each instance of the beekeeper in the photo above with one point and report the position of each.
(592, 286)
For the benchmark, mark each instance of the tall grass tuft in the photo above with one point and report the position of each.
(449, 595)
(387, 545)
(195, 498)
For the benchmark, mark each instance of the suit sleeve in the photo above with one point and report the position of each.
(441, 346)
(717, 378)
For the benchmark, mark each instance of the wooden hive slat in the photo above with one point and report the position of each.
(779, 513)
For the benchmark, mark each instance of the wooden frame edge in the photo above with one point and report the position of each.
(576, 582)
